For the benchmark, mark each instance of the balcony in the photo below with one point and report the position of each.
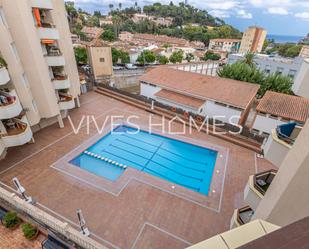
(9, 105)
(4, 76)
(257, 186)
(18, 133)
(241, 216)
(61, 82)
(66, 103)
(280, 142)
(42, 4)
(48, 31)
(55, 59)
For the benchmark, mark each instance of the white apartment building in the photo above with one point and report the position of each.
(285, 66)
(226, 45)
(39, 80)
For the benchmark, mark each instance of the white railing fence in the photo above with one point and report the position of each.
(49, 221)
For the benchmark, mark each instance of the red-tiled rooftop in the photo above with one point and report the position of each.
(285, 106)
(227, 91)
(180, 98)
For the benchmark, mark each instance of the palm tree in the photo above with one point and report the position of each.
(135, 5)
(249, 59)
(120, 6)
(111, 7)
(117, 22)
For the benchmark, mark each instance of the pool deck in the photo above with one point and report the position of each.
(143, 214)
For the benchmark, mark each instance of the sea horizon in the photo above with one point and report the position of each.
(285, 38)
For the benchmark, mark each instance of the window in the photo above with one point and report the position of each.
(280, 70)
(267, 69)
(102, 60)
(2, 18)
(14, 50)
(24, 80)
(35, 108)
(292, 73)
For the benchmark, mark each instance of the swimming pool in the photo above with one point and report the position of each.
(185, 164)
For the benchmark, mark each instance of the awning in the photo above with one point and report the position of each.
(37, 16)
(46, 41)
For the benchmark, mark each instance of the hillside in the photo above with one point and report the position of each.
(188, 22)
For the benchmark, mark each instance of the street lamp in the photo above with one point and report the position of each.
(82, 223)
(22, 191)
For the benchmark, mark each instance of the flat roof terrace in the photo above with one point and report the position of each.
(142, 214)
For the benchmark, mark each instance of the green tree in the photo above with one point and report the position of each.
(81, 55)
(176, 57)
(146, 57)
(120, 56)
(249, 59)
(243, 72)
(162, 59)
(289, 50)
(189, 57)
(108, 35)
(209, 55)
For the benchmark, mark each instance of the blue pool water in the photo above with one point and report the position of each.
(181, 163)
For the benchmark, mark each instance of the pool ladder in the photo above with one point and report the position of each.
(105, 159)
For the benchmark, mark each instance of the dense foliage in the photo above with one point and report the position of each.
(81, 55)
(209, 55)
(182, 14)
(108, 35)
(3, 63)
(29, 230)
(289, 50)
(177, 57)
(10, 220)
(162, 59)
(146, 57)
(120, 56)
(244, 72)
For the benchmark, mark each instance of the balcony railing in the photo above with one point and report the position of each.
(48, 31)
(17, 133)
(42, 4)
(263, 180)
(61, 82)
(9, 105)
(55, 58)
(66, 102)
(241, 216)
(4, 76)
(280, 142)
(257, 186)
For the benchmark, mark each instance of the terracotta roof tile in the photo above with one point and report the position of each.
(227, 91)
(180, 98)
(285, 106)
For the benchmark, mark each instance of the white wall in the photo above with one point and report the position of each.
(149, 91)
(266, 124)
(211, 109)
(177, 105)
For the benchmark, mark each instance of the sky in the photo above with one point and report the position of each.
(279, 17)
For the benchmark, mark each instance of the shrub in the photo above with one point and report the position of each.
(29, 230)
(11, 220)
(3, 63)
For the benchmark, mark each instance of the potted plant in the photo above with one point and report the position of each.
(11, 220)
(30, 231)
(3, 63)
